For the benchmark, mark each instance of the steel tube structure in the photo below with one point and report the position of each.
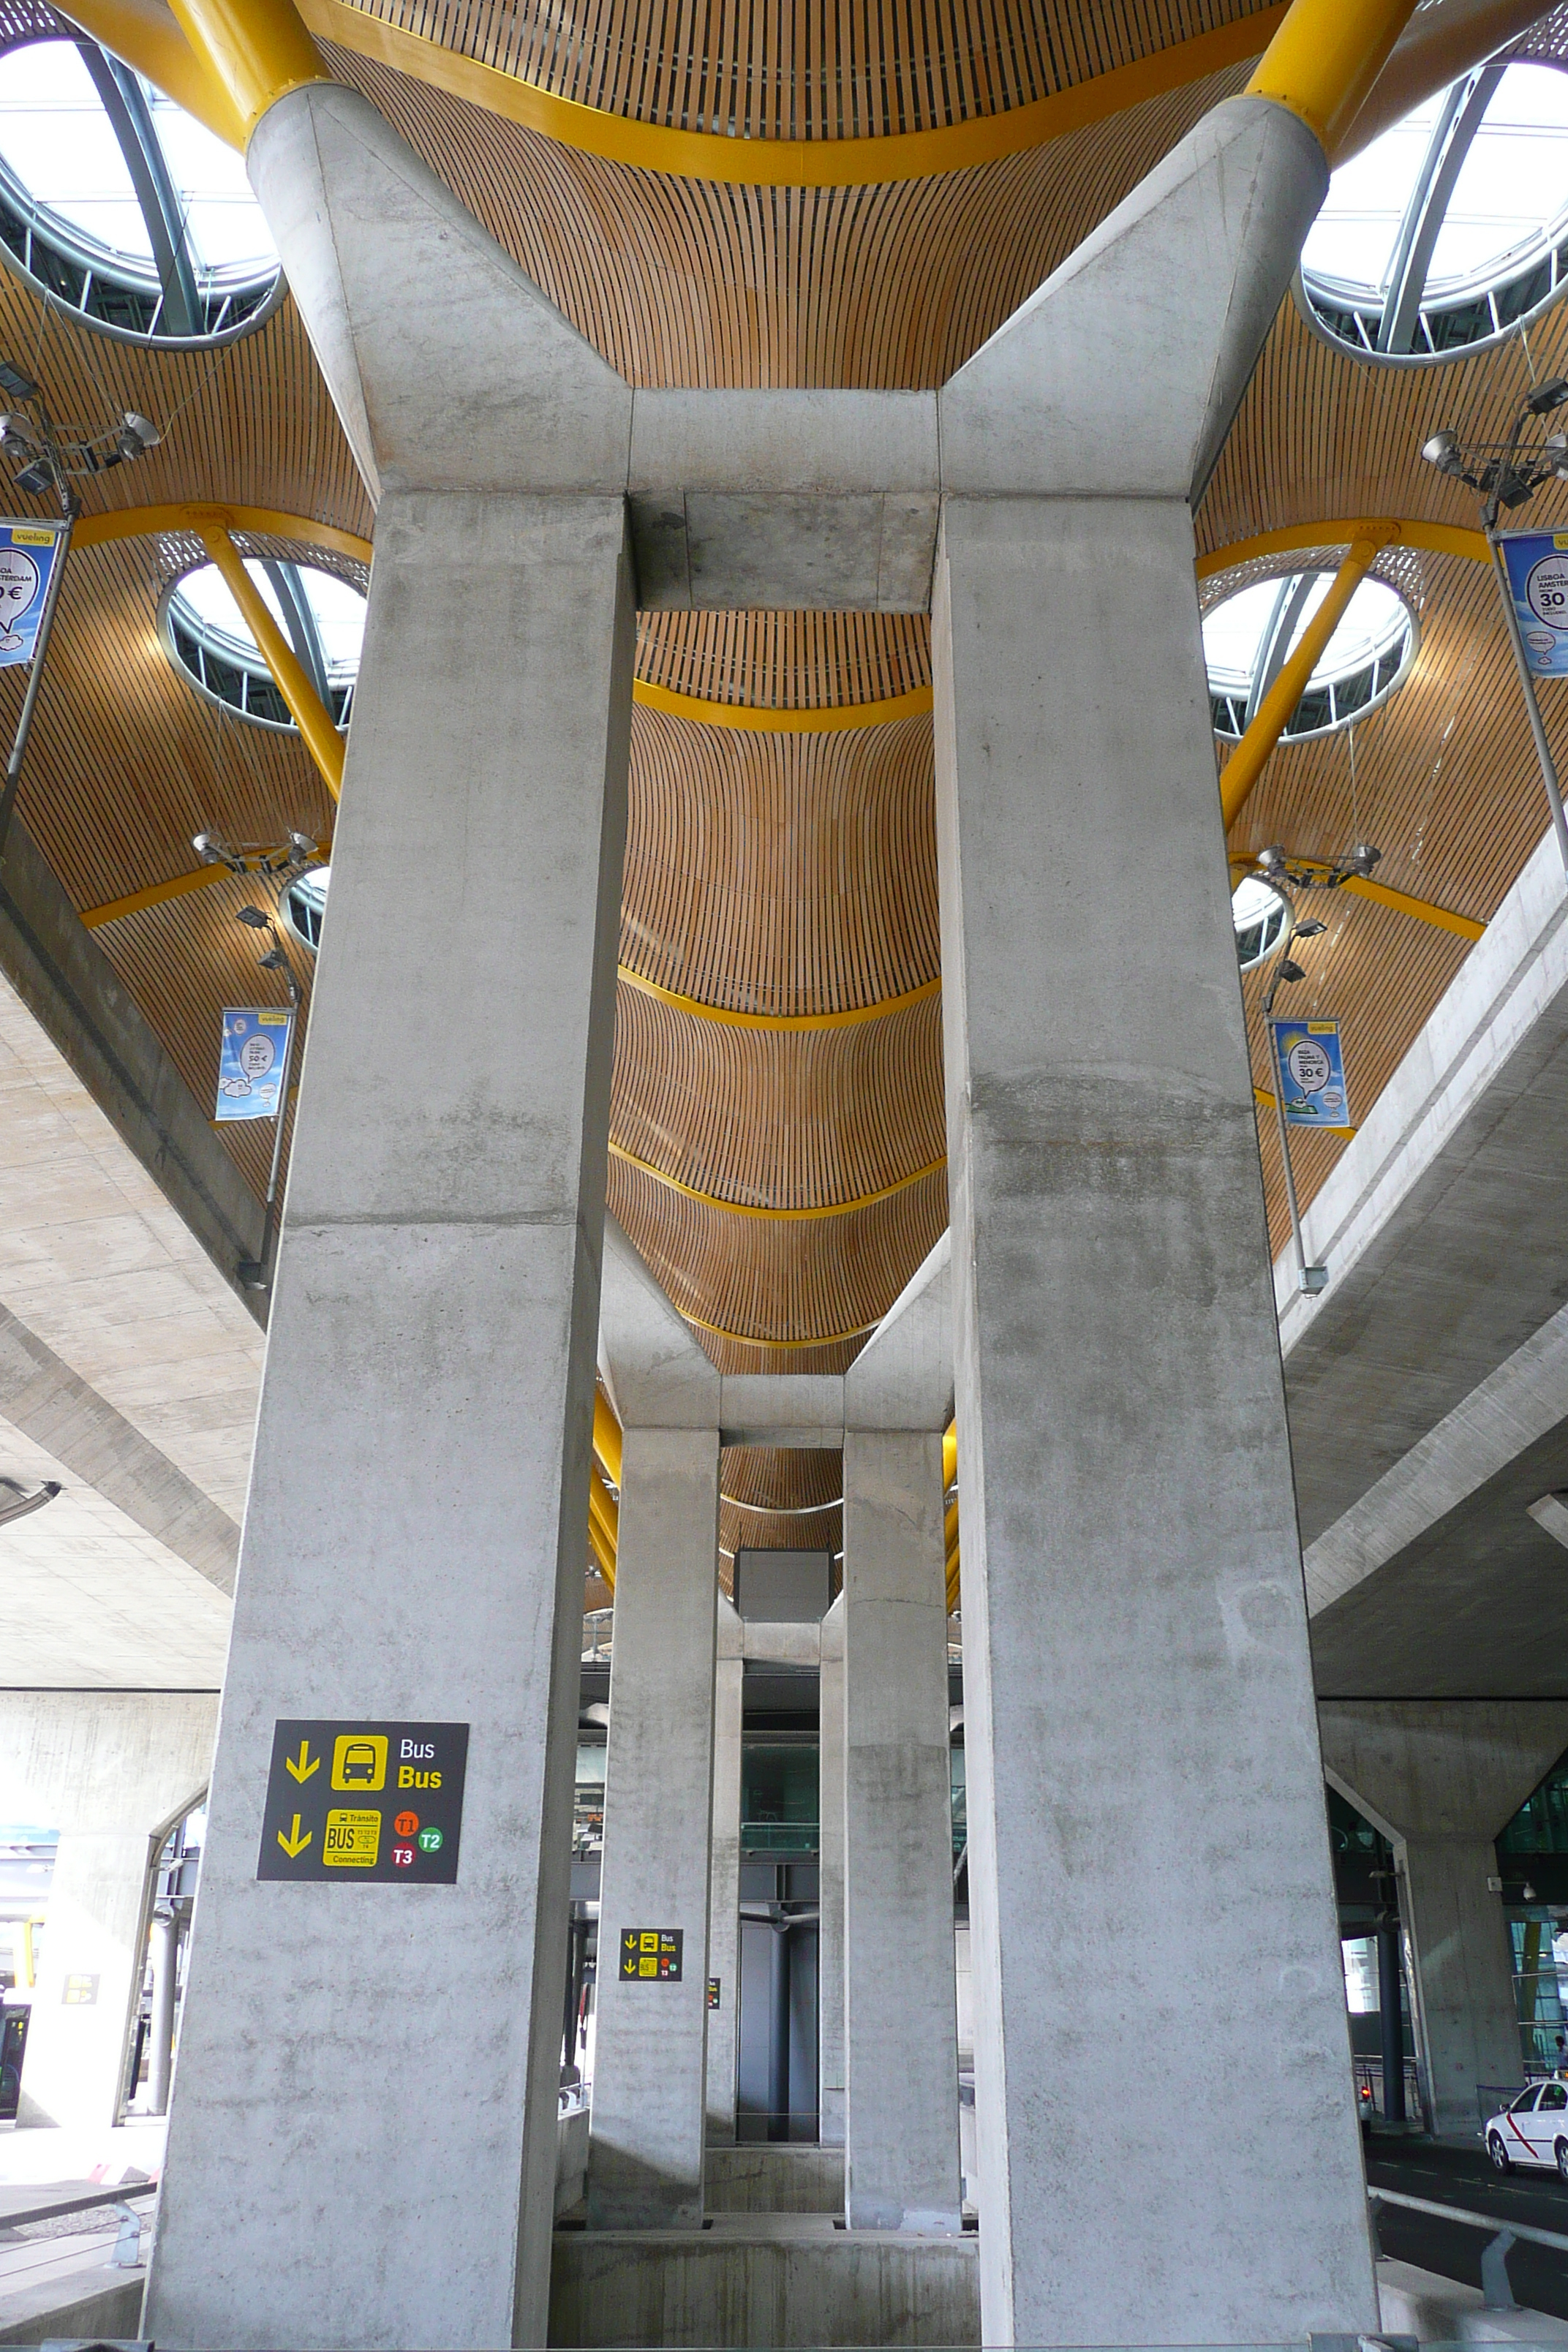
(1246, 762)
(310, 714)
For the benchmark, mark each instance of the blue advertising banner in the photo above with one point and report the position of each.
(251, 1060)
(1310, 1065)
(28, 554)
(1537, 566)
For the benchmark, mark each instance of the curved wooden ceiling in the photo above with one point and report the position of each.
(781, 872)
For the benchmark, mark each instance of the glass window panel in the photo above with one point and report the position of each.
(225, 224)
(339, 612)
(1513, 183)
(60, 145)
(1233, 635)
(1352, 239)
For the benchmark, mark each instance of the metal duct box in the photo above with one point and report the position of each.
(783, 1588)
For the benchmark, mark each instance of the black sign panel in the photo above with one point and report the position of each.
(651, 1954)
(364, 1804)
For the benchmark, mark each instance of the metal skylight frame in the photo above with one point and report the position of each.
(173, 303)
(234, 674)
(1402, 328)
(1328, 702)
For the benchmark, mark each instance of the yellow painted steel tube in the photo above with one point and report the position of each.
(607, 1438)
(1245, 764)
(256, 50)
(604, 1524)
(149, 39)
(1325, 58)
(953, 1588)
(603, 1553)
(311, 716)
(949, 1456)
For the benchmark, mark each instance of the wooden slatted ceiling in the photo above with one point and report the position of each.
(779, 873)
(858, 68)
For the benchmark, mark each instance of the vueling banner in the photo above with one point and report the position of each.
(28, 554)
(1537, 566)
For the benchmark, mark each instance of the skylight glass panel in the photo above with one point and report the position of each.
(1513, 183)
(60, 146)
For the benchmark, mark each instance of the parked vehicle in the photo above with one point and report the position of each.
(1531, 2129)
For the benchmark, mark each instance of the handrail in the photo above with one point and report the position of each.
(1493, 2221)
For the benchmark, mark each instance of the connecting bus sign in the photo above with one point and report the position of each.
(358, 1803)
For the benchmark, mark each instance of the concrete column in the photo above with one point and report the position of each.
(650, 2058)
(1440, 1779)
(725, 1876)
(830, 1883)
(113, 1771)
(166, 1950)
(900, 2030)
(414, 1538)
(1149, 1877)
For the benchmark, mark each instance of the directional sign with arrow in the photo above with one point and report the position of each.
(361, 1803)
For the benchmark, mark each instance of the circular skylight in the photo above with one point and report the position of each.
(121, 204)
(1452, 228)
(305, 905)
(206, 636)
(1249, 636)
(1260, 916)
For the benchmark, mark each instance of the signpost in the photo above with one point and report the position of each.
(362, 1802)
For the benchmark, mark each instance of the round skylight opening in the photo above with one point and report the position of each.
(1261, 918)
(122, 207)
(1451, 229)
(305, 905)
(1248, 637)
(206, 636)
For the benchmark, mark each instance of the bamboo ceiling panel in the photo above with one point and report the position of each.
(808, 69)
(785, 661)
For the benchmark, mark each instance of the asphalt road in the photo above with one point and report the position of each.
(1453, 2176)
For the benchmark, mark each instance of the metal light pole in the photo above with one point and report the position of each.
(1500, 479)
(256, 1273)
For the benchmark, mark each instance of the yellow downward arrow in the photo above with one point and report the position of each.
(294, 1844)
(306, 1765)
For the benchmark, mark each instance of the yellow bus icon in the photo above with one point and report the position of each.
(359, 1760)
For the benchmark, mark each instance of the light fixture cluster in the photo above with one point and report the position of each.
(44, 459)
(1503, 474)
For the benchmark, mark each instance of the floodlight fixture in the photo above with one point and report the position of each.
(36, 477)
(1310, 928)
(1271, 859)
(1548, 395)
(136, 436)
(1291, 969)
(274, 961)
(19, 387)
(18, 433)
(1443, 451)
(17, 1501)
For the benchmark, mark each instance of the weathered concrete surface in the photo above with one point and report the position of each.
(113, 1771)
(111, 2314)
(54, 968)
(830, 2050)
(901, 2170)
(650, 2070)
(724, 1876)
(826, 2288)
(1440, 1782)
(429, 1387)
(1426, 1385)
(755, 2178)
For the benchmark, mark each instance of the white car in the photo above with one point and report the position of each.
(1531, 2129)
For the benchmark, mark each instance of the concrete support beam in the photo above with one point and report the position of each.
(725, 1876)
(901, 2168)
(113, 1771)
(1440, 1780)
(830, 2057)
(649, 2106)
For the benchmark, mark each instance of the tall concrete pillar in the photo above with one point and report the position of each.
(725, 1876)
(113, 1771)
(830, 1881)
(650, 2057)
(1440, 1779)
(1142, 1745)
(901, 2161)
(414, 1538)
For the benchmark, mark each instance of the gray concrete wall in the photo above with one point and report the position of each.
(830, 2288)
(724, 1878)
(830, 2088)
(414, 1544)
(900, 2028)
(650, 2054)
(113, 1771)
(1147, 1843)
(782, 2178)
(1440, 1780)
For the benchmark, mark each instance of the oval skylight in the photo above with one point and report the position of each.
(1260, 916)
(122, 206)
(1249, 636)
(1452, 228)
(323, 617)
(305, 905)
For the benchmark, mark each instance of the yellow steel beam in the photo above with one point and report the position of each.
(604, 1525)
(157, 894)
(833, 719)
(1442, 919)
(607, 1437)
(603, 1559)
(751, 1339)
(255, 50)
(722, 1014)
(949, 1456)
(191, 515)
(1325, 58)
(784, 1217)
(1388, 531)
(1245, 764)
(311, 716)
